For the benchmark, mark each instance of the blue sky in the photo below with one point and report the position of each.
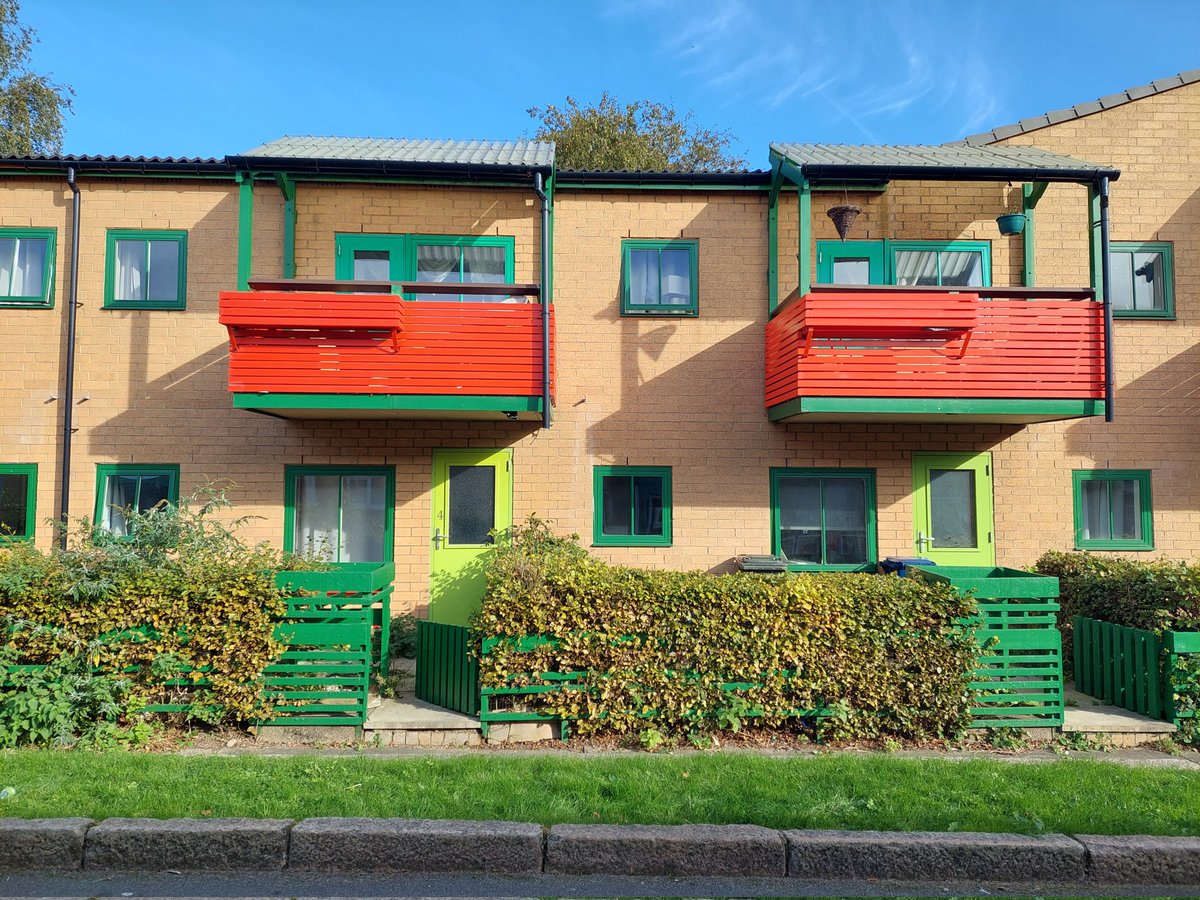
(171, 78)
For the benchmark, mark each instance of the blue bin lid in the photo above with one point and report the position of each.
(909, 561)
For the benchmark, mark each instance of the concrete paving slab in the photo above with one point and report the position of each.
(1089, 716)
(410, 714)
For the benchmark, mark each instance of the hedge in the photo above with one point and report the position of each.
(689, 651)
(1157, 595)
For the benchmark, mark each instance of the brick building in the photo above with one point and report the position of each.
(402, 426)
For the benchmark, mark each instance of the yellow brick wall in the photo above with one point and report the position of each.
(643, 391)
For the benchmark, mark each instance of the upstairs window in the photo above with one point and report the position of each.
(824, 519)
(463, 261)
(135, 488)
(1143, 280)
(659, 278)
(18, 493)
(960, 264)
(1112, 510)
(27, 267)
(632, 506)
(146, 270)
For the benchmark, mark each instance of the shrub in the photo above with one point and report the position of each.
(1158, 595)
(179, 612)
(879, 656)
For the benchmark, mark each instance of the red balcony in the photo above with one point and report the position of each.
(899, 354)
(324, 354)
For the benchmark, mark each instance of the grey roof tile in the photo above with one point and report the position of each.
(475, 153)
(1129, 95)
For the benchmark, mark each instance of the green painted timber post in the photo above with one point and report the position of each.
(804, 253)
(1030, 195)
(245, 228)
(1097, 263)
(287, 187)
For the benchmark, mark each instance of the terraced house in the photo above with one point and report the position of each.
(682, 368)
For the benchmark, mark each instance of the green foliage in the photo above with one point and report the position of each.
(403, 637)
(688, 651)
(643, 135)
(31, 105)
(180, 613)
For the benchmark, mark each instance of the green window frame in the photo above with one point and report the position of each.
(882, 257)
(631, 306)
(17, 295)
(655, 528)
(292, 515)
(17, 501)
(1142, 515)
(402, 253)
(106, 472)
(156, 293)
(1125, 268)
(869, 541)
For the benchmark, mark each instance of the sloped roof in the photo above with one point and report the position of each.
(532, 154)
(1054, 117)
(938, 162)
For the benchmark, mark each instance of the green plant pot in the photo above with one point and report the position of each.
(1011, 223)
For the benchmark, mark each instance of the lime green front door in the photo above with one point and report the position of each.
(472, 497)
(952, 508)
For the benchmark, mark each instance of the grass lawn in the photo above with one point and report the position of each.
(837, 791)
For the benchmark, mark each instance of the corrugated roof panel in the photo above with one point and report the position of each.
(934, 157)
(535, 154)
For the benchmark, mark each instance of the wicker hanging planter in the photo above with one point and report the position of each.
(843, 217)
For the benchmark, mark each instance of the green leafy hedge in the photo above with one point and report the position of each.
(878, 656)
(1158, 595)
(180, 600)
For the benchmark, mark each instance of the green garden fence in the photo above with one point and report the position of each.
(1136, 669)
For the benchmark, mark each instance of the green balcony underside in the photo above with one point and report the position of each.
(921, 409)
(391, 406)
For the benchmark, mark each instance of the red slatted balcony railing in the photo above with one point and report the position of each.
(998, 354)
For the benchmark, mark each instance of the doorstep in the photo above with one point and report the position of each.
(409, 722)
(1087, 715)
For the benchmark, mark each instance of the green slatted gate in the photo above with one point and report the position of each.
(323, 676)
(1133, 668)
(447, 670)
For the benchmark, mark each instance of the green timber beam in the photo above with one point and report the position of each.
(245, 228)
(849, 409)
(1030, 195)
(287, 187)
(396, 402)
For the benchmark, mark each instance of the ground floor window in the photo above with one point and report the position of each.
(343, 514)
(1112, 509)
(824, 518)
(632, 506)
(125, 488)
(18, 492)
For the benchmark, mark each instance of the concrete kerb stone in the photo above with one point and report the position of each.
(1142, 860)
(702, 850)
(416, 845)
(934, 855)
(36, 844)
(195, 845)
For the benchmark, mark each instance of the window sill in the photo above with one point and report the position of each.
(869, 567)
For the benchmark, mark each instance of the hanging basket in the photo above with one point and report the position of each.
(1011, 223)
(843, 217)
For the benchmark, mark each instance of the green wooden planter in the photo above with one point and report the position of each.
(1019, 682)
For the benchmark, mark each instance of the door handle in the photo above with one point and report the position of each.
(437, 539)
(923, 542)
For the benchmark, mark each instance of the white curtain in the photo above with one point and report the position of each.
(1126, 510)
(916, 267)
(120, 493)
(643, 277)
(22, 263)
(131, 271)
(484, 265)
(317, 515)
(962, 268)
(363, 518)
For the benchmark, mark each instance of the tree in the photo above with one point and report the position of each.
(643, 135)
(31, 105)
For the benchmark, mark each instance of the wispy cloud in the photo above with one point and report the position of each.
(876, 67)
